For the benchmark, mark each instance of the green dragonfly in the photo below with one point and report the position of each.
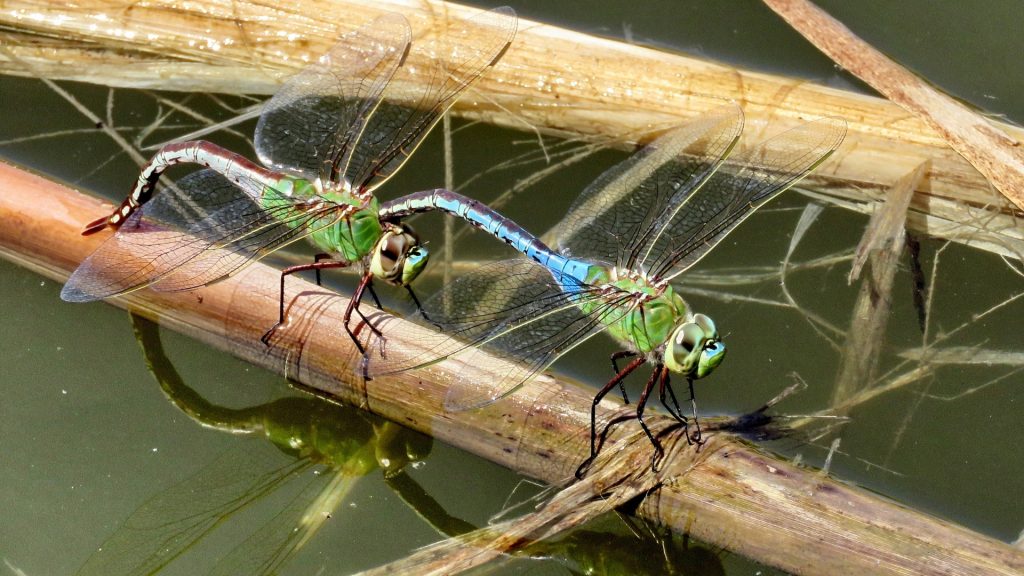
(626, 238)
(329, 137)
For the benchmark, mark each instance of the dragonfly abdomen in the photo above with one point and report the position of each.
(492, 222)
(232, 166)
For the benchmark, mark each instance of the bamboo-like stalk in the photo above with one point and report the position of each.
(729, 494)
(995, 155)
(553, 80)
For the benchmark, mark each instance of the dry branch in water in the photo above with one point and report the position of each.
(726, 495)
(552, 80)
(992, 151)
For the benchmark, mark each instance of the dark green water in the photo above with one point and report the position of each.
(87, 436)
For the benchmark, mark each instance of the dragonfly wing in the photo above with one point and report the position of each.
(311, 124)
(270, 547)
(438, 70)
(618, 214)
(515, 309)
(743, 184)
(191, 234)
(174, 520)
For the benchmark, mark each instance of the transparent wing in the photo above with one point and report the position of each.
(743, 184)
(270, 547)
(172, 521)
(201, 230)
(620, 213)
(437, 71)
(310, 126)
(514, 309)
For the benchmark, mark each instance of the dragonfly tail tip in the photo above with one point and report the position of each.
(96, 225)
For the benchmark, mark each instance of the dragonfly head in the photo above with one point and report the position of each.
(695, 348)
(398, 257)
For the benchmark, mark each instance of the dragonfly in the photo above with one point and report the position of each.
(329, 137)
(624, 241)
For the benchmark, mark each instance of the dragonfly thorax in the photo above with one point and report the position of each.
(652, 310)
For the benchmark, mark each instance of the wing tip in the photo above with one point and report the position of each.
(72, 293)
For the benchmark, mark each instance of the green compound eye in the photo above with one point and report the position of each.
(689, 337)
(696, 350)
(398, 257)
(415, 261)
(707, 325)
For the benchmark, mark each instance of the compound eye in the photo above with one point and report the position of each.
(392, 250)
(415, 261)
(689, 336)
(706, 324)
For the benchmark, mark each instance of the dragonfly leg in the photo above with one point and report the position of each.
(615, 366)
(674, 409)
(317, 259)
(696, 438)
(318, 265)
(636, 363)
(658, 374)
(677, 412)
(373, 294)
(421, 310)
(353, 306)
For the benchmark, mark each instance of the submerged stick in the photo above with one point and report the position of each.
(728, 495)
(551, 80)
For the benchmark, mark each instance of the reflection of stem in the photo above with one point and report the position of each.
(817, 323)
(923, 358)
(882, 244)
(762, 274)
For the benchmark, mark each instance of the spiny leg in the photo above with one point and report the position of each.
(696, 423)
(615, 366)
(674, 410)
(365, 282)
(319, 265)
(373, 294)
(419, 307)
(656, 375)
(317, 259)
(636, 363)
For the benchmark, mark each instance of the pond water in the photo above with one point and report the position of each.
(89, 437)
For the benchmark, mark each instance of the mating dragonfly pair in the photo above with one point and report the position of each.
(340, 128)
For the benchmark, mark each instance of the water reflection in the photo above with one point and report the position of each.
(329, 447)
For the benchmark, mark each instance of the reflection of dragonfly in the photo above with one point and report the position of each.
(630, 233)
(329, 448)
(331, 135)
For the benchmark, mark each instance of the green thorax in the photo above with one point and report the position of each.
(350, 238)
(649, 325)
